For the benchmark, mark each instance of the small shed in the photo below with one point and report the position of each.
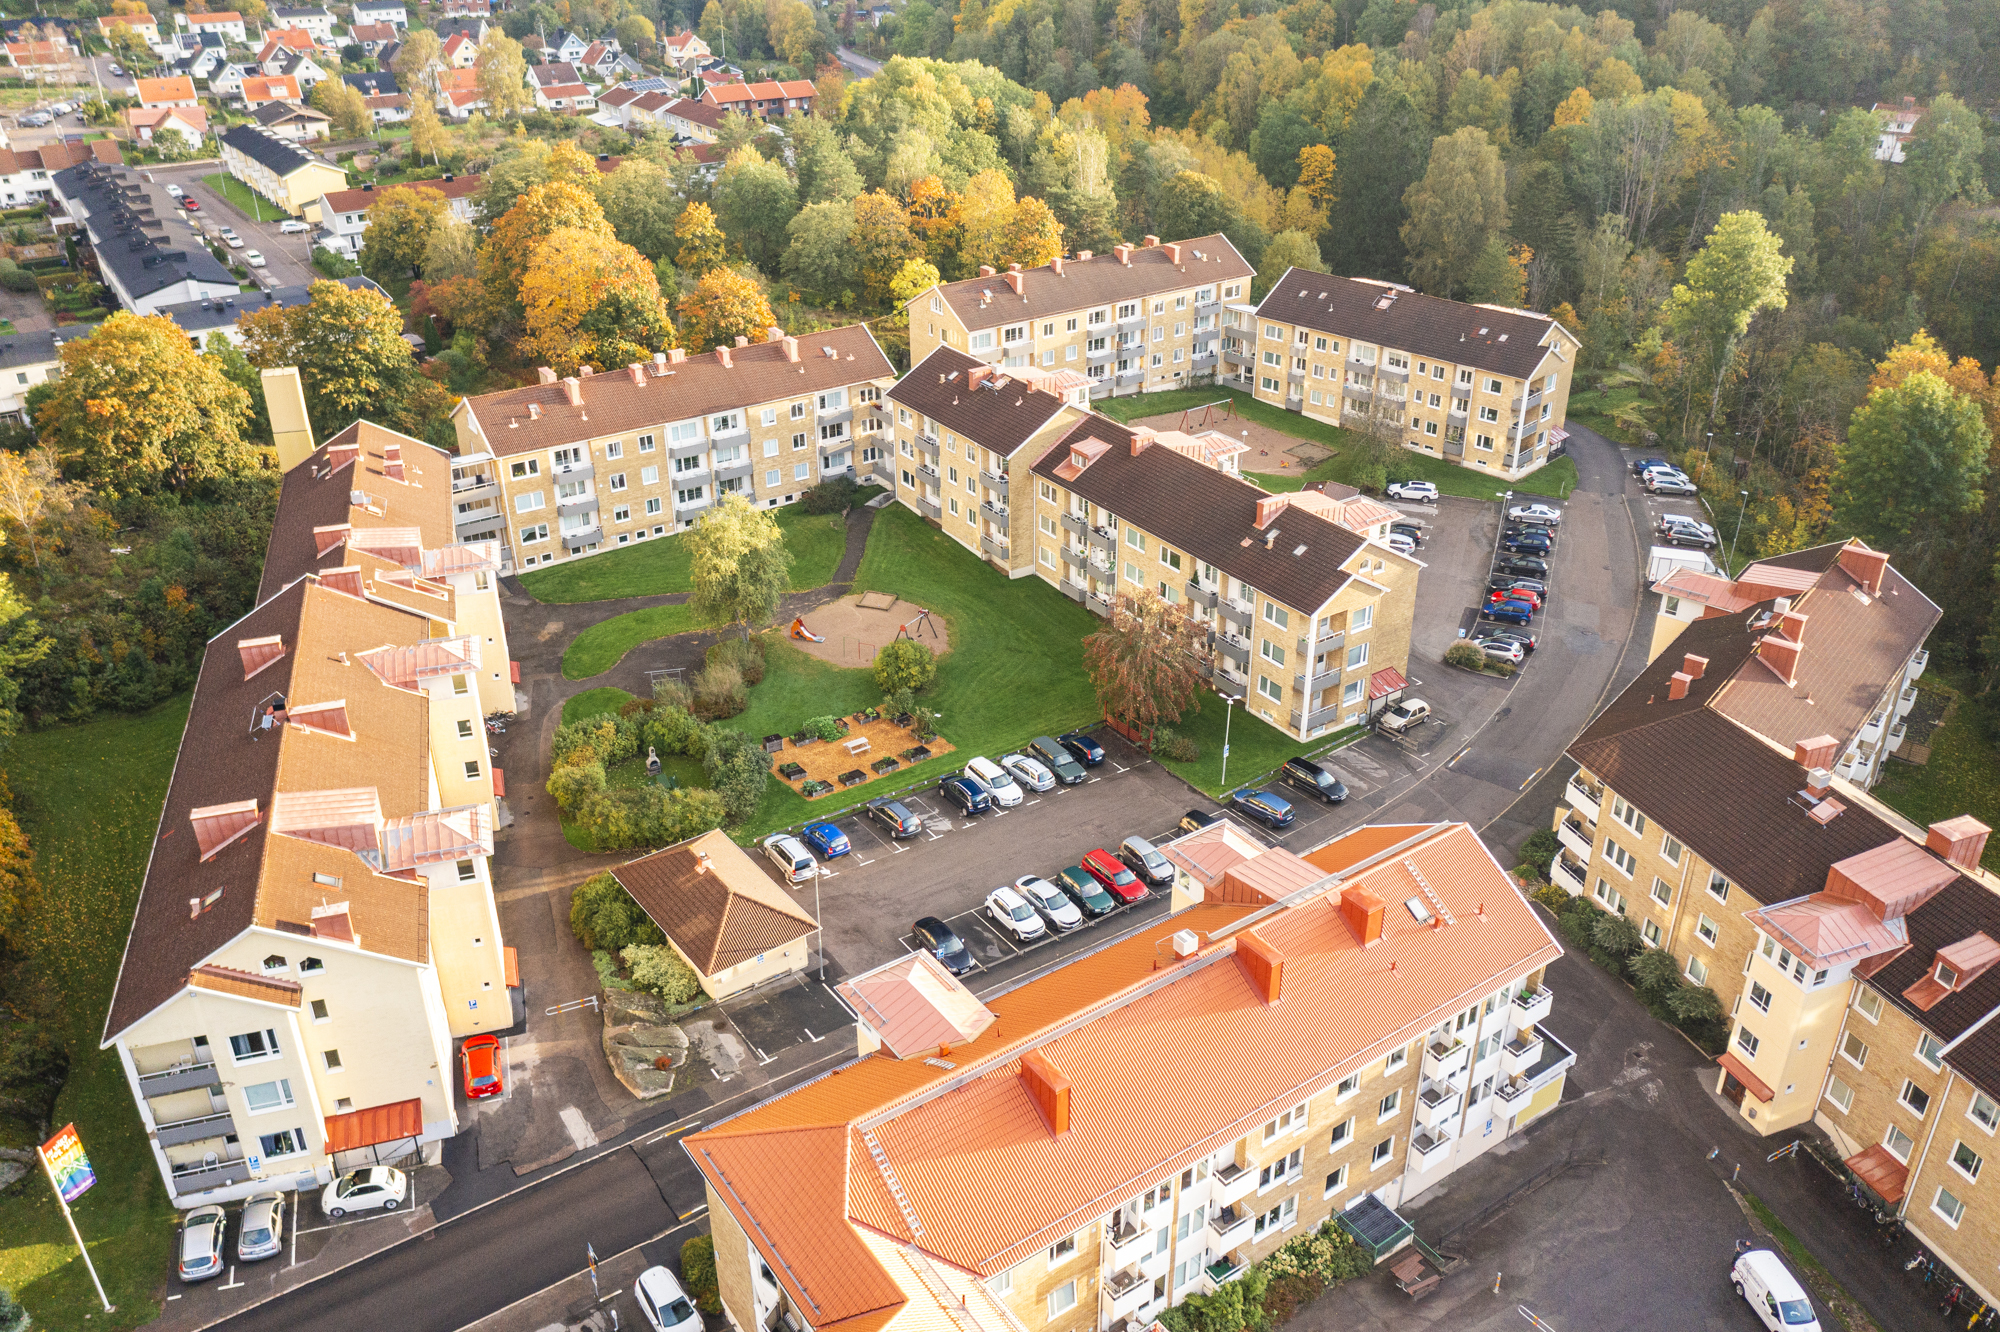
(721, 912)
(1374, 1226)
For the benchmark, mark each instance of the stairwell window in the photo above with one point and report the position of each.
(1628, 815)
(1388, 1105)
(1619, 856)
(1663, 892)
(1718, 887)
(1948, 1206)
(1966, 1161)
(1670, 850)
(1747, 1042)
(1899, 1143)
(262, 1096)
(1335, 1182)
(1706, 930)
(1983, 1111)
(1931, 1050)
(1760, 998)
(1342, 1135)
(1854, 1050)
(1383, 1151)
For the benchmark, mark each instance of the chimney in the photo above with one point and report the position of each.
(257, 653)
(1013, 277)
(1268, 509)
(1173, 254)
(791, 346)
(977, 375)
(544, 375)
(1142, 439)
(291, 428)
(986, 270)
(1262, 965)
(1818, 782)
(659, 362)
(1962, 840)
(1362, 910)
(1048, 1088)
(1055, 265)
(585, 371)
(774, 334)
(1082, 255)
(1677, 687)
(1781, 656)
(638, 373)
(1817, 752)
(722, 355)
(573, 391)
(1151, 241)
(1124, 253)
(1865, 566)
(676, 355)
(742, 340)
(1694, 666)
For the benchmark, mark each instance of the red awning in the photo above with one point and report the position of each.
(513, 956)
(499, 782)
(1881, 1172)
(1758, 1087)
(1385, 682)
(1558, 435)
(378, 1123)
(514, 671)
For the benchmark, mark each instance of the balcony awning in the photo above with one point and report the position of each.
(1882, 1173)
(378, 1123)
(1558, 435)
(1385, 682)
(1758, 1087)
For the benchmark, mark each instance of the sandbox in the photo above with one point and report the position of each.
(854, 629)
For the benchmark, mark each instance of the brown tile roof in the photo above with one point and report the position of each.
(695, 387)
(310, 498)
(356, 201)
(1507, 342)
(246, 984)
(1002, 414)
(1101, 280)
(373, 32)
(714, 902)
(1210, 515)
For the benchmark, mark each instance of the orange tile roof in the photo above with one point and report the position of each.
(806, 1172)
(915, 1006)
(178, 89)
(378, 1123)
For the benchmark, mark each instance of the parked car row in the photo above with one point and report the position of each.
(1661, 477)
(1517, 588)
(201, 1250)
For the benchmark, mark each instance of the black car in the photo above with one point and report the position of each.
(895, 818)
(1086, 750)
(1195, 820)
(1501, 582)
(1526, 566)
(944, 944)
(1052, 752)
(1521, 636)
(967, 794)
(1526, 543)
(1314, 778)
(1267, 807)
(1080, 886)
(1410, 530)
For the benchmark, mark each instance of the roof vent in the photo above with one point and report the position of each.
(1262, 965)
(1186, 943)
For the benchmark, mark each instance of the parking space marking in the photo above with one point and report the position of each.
(859, 861)
(1094, 779)
(233, 1283)
(1115, 765)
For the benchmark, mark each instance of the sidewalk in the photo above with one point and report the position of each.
(574, 1305)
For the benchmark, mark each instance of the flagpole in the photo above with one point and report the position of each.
(76, 1235)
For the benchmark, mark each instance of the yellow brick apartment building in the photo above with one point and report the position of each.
(844, 1202)
(1482, 386)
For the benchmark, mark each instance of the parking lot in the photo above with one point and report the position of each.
(288, 259)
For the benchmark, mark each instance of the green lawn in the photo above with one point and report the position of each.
(90, 799)
(1556, 479)
(249, 201)
(600, 647)
(1962, 777)
(608, 698)
(1256, 747)
(1593, 407)
(658, 567)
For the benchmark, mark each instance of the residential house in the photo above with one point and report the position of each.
(27, 174)
(844, 1198)
(1899, 123)
(167, 92)
(263, 90)
(597, 461)
(391, 12)
(564, 46)
(226, 23)
(721, 912)
(458, 94)
(558, 87)
(686, 118)
(143, 26)
(281, 171)
(1310, 610)
(784, 97)
(1140, 318)
(342, 215)
(227, 79)
(45, 28)
(372, 83)
(34, 58)
(289, 120)
(299, 65)
(685, 51)
(603, 60)
(219, 314)
(1482, 386)
(461, 51)
(319, 22)
(453, 9)
(150, 123)
(26, 359)
(372, 37)
(136, 238)
(472, 27)
(388, 108)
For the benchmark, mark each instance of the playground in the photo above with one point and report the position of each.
(850, 630)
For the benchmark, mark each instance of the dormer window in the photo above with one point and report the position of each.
(1946, 976)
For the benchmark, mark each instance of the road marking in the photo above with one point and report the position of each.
(579, 1128)
(1531, 777)
(1096, 779)
(1115, 765)
(234, 1284)
(828, 874)
(1036, 801)
(809, 1035)
(864, 862)
(697, 1208)
(1453, 760)
(897, 849)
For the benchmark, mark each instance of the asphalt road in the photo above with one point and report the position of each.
(859, 63)
(287, 258)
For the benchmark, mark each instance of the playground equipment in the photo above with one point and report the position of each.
(799, 630)
(1223, 409)
(916, 627)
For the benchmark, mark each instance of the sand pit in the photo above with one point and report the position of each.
(854, 633)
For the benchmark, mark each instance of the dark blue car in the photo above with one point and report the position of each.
(1273, 811)
(826, 839)
(968, 795)
(1088, 752)
(1511, 612)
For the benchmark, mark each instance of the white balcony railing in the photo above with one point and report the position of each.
(1429, 1149)
(1439, 1104)
(1519, 1055)
(1566, 876)
(1531, 1006)
(1233, 1183)
(1446, 1059)
(1581, 799)
(1573, 836)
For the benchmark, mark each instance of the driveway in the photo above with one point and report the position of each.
(859, 63)
(287, 258)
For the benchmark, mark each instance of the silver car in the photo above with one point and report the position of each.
(1029, 772)
(260, 1231)
(200, 1247)
(1054, 903)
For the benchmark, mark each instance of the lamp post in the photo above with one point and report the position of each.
(1229, 702)
(1745, 504)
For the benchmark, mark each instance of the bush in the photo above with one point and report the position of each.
(738, 769)
(1170, 744)
(745, 654)
(719, 692)
(898, 701)
(1464, 655)
(904, 664)
(698, 1273)
(923, 724)
(659, 968)
(1616, 935)
(15, 278)
(1693, 1005)
(826, 728)
(833, 495)
(331, 264)
(575, 783)
(1540, 851)
(673, 730)
(1656, 972)
(13, 1318)
(650, 816)
(1551, 896)
(607, 971)
(609, 736)
(603, 915)
(671, 693)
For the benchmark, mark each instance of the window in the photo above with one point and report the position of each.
(1663, 892)
(1931, 1050)
(1916, 1098)
(472, 770)
(1132, 573)
(526, 468)
(653, 505)
(285, 1142)
(1489, 414)
(1650, 932)
(1718, 887)
(1697, 970)
(1619, 856)
(1279, 1171)
(331, 1059)
(530, 535)
(311, 966)
(319, 1010)
(1335, 1182)
(1269, 689)
(1670, 850)
(1967, 1160)
(1613, 900)
(262, 1096)
(1840, 1094)
(1760, 998)
(1062, 1250)
(254, 1045)
(1868, 1003)
(1388, 1104)
(467, 871)
(1358, 620)
(1747, 1042)
(1170, 558)
(1627, 815)
(1348, 1086)
(1494, 386)
(1983, 1112)
(1002, 1284)
(1351, 691)
(1855, 1050)
(1357, 656)
(1948, 1206)
(1063, 1298)
(529, 502)
(646, 443)
(1292, 1121)
(622, 514)
(1382, 1151)
(1706, 930)
(1271, 652)
(1396, 1059)
(1898, 1143)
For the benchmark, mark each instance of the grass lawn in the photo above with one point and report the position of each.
(600, 647)
(1556, 479)
(1962, 777)
(252, 204)
(1593, 407)
(1256, 747)
(656, 567)
(608, 698)
(90, 799)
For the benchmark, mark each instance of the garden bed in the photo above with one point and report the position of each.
(829, 762)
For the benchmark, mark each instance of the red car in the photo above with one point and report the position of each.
(481, 1056)
(1116, 876)
(189, 202)
(1516, 594)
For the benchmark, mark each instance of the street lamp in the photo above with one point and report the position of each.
(1229, 702)
(1739, 529)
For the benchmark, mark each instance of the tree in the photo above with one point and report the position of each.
(13, 1317)
(912, 280)
(1382, 152)
(738, 565)
(754, 201)
(416, 65)
(590, 301)
(1288, 249)
(883, 242)
(503, 74)
(1317, 174)
(636, 35)
(1499, 276)
(904, 664)
(401, 224)
(1574, 109)
(33, 496)
(451, 252)
(131, 50)
(428, 136)
(820, 252)
(352, 360)
(700, 240)
(825, 172)
(1922, 352)
(1738, 272)
(542, 211)
(1458, 206)
(725, 305)
(639, 202)
(1942, 161)
(342, 101)
(137, 408)
(1145, 663)
(1034, 237)
(1916, 456)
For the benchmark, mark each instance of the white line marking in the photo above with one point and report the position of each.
(234, 1284)
(1097, 779)
(809, 1035)
(864, 862)
(1036, 801)
(1115, 765)
(579, 1128)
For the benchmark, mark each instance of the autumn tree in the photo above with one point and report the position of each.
(1034, 236)
(738, 565)
(1575, 109)
(401, 223)
(725, 305)
(1318, 176)
(1916, 456)
(636, 35)
(700, 245)
(343, 104)
(19, 888)
(1288, 249)
(503, 75)
(912, 280)
(348, 345)
(590, 301)
(416, 65)
(137, 408)
(754, 201)
(34, 497)
(1459, 205)
(1921, 353)
(540, 212)
(1738, 272)
(428, 136)
(883, 242)
(1145, 663)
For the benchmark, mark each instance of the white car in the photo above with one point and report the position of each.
(1399, 543)
(293, 228)
(1422, 491)
(789, 854)
(252, 258)
(1012, 913)
(1536, 513)
(1773, 1293)
(1029, 772)
(991, 776)
(377, 1187)
(1054, 903)
(664, 1303)
(61, 109)
(173, 189)
(230, 238)
(1500, 649)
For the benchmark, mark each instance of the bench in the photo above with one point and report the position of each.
(858, 745)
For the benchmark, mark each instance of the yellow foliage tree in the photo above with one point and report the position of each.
(1318, 174)
(700, 240)
(722, 307)
(1575, 108)
(540, 212)
(503, 74)
(1033, 236)
(591, 301)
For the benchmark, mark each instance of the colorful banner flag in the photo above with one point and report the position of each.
(68, 1164)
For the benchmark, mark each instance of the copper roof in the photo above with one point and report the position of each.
(312, 497)
(1741, 1072)
(1828, 932)
(984, 302)
(1881, 1172)
(1507, 342)
(714, 902)
(376, 1124)
(915, 1006)
(246, 984)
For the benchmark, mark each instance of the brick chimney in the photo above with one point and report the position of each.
(659, 363)
(638, 373)
(722, 355)
(1362, 910)
(573, 390)
(544, 375)
(1865, 566)
(1694, 666)
(1782, 656)
(1677, 686)
(791, 345)
(1268, 509)
(1142, 439)
(1082, 255)
(742, 339)
(1124, 253)
(1013, 277)
(1055, 265)
(1150, 241)
(986, 270)
(1173, 253)
(1816, 752)
(676, 355)
(977, 375)
(1048, 1088)
(774, 334)
(1962, 840)
(1262, 965)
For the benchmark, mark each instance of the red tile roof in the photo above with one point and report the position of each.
(376, 1124)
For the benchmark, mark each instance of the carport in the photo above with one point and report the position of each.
(1385, 687)
(379, 1135)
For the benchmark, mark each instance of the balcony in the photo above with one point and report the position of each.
(740, 428)
(1127, 1289)
(1456, 413)
(1236, 652)
(1522, 428)
(1235, 613)
(1430, 1148)
(1309, 722)
(1101, 540)
(1917, 664)
(1071, 556)
(1071, 590)
(1872, 728)
(1099, 355)
(1439, 1103)
(1319, 681)
(1202, 303)
(1446, 1059)
(1198, 595)
(1119, 1237)
(995, 481)
(832, 415)
(473, 487)
(479, 517)
(1566, 876)
(1363, 366)
(996, 549)
(993, 513)
(1531, 1006)
(182, 1077)
(1555, 1058)
(583, 536)
(1582, 799)
(1357, 392)
(1126, 323)
(1906, 701)
(211, 1174)
(741, 467)
(1519, 1055)
(1230, 1225)
(574, 471)
(1572, 835)
(1233, 1183)
(1203, 360)
(1295, 375)
(928, 471)
(579, 504)
(183, 1131)
(930, 508)
(1399, 373)
(1129, 377)
(1242, 356)
(1074, 525)
(1098, 603)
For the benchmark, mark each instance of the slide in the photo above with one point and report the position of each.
(799, 630)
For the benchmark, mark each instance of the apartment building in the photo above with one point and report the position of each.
(285, 174)
(141, 244)
(1309, 610)
(317, 921)
(847, 1198)
(569, 467)
(1482, 386)
(966, 435)
(342, 215)
(1141, 318)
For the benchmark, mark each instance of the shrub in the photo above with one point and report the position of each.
(15, 278)
(738, 769)
(603, 915)
(608, 736)
(671, 693)
(923, 723)
(650, 815)
(826, 728)
(633, 706)
(607, 971)
(331, 264)
(1177, 748)
(898, 701)
(1655, 972)
(833, 495)
(13, 1318)
(1540, 851)
(904, 664)
(1236, 1307)
(698, 1273)
(672, 730)
(1372, 477)
(657, 967)
(745, 654)
(1693, 1005)
(1550, 896)
(719, 692)
(1463, 654)
(575, 783)
(1616, 935)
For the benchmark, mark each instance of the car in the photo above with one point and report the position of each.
(1515, 594)
(1399, 543)
(1497, 649)
(1410, 530)
(189, 202)
(1146, 860)
(1316, 779)
(374, 1188)
(1116, 876)
(1273, 811)
(1066, 769)
(1195, 820)
(943, 943)
(1061, 911)
(293, 228)
(252, 258)
(1536, 513)
(1526, 543)
(1520, 636)
(1080, 886)
(198, 1252)
(61, 109)
(795, 863)
(1510, 612)
(663, 1302)
(1678, 530)
(1404, 716)
(826, 838)
(1501, 582)
(1660, 484)
(1012, 913)
(1422, 491)
(35, 119)
(1773, 1293)
(118, 71)
(480, 1058)
(895, 818)
(1082, 748)
(260, 1228)
(1526, 566)
(1640, 466)
(968, 795)
(230, 238)
(993, 779)
(1031, 773)
(174, 189)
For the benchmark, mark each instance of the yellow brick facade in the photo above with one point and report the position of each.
(968, 489)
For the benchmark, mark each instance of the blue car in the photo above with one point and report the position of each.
(826, 839)
(1512, 612)
(1273, 811)
(970, 797)
(1087, 751)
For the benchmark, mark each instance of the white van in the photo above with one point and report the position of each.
(1770, 1289)
(996, 780)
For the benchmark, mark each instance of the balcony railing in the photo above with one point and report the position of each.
(569, 508)
(1235, 651)
(1399, 373)
(1444, 1060)
(183, 1131)
(1229, 1224)
(1358, 392)
(1318, 717)
(996, 480)
(1430, 1148)
(1235, 613)
(473, 487)
(1242, 356)
(1296, 375)
(1122, 1235)
(1572, 835)
(1320, 680)
(1127, 1290)
(742, 466)
(585, 536)
(928, 470)
(993, 513)
(929, 507)
(478, 518)
(1100, 604)
(1531, 1006)
(1101, 540)
(1233, 1183)
(1566, 876)
(1906, 701)
(996, 549)
(1581, 799)
(1918, 662)
(184, 1077)
(1519, 1054)
(574, 470)
(1071, 590)
(1074, 525)
(829, 415)
(1198, 595)
(1071, 556)
(201, 1176)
